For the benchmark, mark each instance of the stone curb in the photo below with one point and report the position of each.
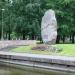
(62, 63)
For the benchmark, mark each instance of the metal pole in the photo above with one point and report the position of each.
(2, 25)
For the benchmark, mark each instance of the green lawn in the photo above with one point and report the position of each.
(68, 50)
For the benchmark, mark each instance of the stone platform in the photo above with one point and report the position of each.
(59, 63)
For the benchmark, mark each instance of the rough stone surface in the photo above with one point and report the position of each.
(49, 27)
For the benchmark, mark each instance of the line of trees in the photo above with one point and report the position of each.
(22, 18)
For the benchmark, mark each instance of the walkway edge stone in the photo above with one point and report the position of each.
(62, 63)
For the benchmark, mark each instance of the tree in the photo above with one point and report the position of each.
(65, 16)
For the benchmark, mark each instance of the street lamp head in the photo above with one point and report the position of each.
(3, 9)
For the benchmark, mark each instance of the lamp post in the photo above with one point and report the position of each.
(2, 26)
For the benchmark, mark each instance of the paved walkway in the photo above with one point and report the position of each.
(8, 43)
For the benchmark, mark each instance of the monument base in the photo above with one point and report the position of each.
(43, 47)
(40, 47)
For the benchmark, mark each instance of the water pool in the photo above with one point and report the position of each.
(15, 71)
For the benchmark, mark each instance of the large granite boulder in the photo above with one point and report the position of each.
(49, 27)
(48, 32)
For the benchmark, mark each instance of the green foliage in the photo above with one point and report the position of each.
(23, 17)
(65, 15)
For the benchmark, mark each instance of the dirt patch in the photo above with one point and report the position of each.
(40, 47)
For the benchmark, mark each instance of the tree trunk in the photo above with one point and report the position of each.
(0, 35)
(23, 36)
(6, 35)
(9, 38)
(32, 37)
(72, 38)
(58, 39)
(63, 38)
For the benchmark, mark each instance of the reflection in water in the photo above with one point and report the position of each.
(12, 71)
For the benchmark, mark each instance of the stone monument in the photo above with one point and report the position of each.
(48, 32)
(49, 27)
